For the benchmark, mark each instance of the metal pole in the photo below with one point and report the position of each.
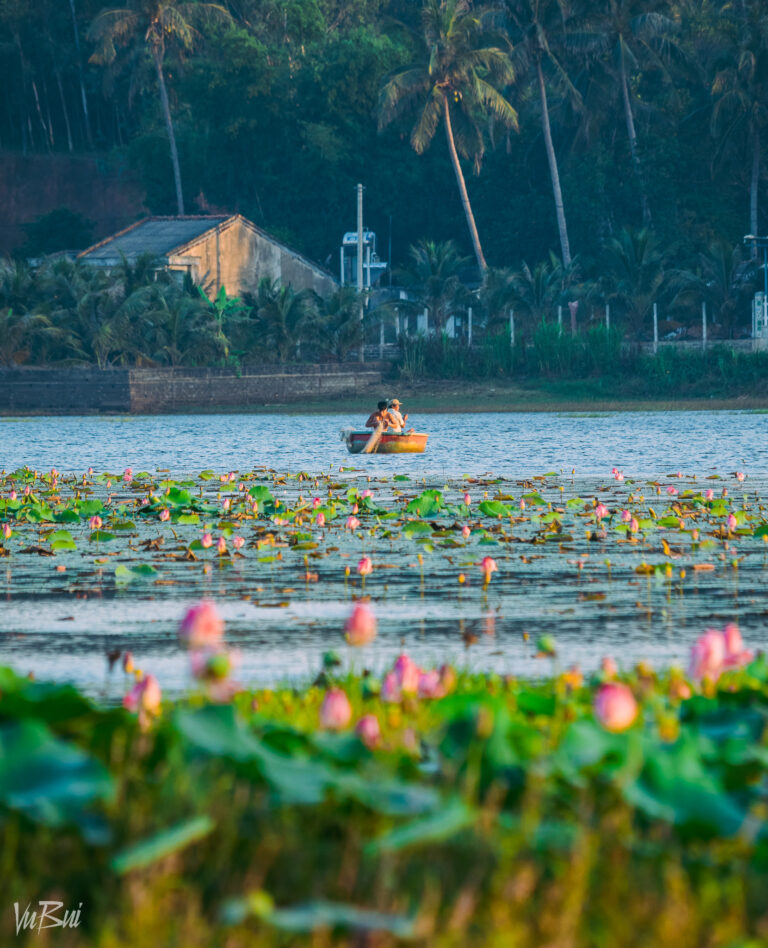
(560, 318)
(360, 267)
(368, 266)
(341, 266)
(765, 285)
(704, 324)
(381, 339)
(607, 315)
(512, 328)
(655, 329)
(469, 325)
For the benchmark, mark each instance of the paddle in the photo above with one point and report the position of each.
(373, 442)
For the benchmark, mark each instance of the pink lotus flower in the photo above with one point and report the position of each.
(609, 667)
(368, 730)
(165, 514)
(13, 495)
(336, 711)
(316, 502)
(95, 522)
(735, 653)
(732, 522)
(601, 511)
(128, 475)
(740, 475)
(352, 523)
(7, 531)
(207, 541)
(390, 689)
(238, 542)
(227, 503)
(355, 509)
(467, 499)
(488, 567)
(144, 699)
(365, 566)
(367, 493)
(202, 626)
(522, 504)
(707, 656)
(634, 526)
(724, 492)
(128, 665)
(626, 516)
(90, 471)
(360, 627)
(320, 519)
(465, 531)
(255, 508)
(407, 674)
(615, 706)
(430, 685)
(221, 546)
(709, 494)
(27, 490)
(672, 491)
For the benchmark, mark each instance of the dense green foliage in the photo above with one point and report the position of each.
(276, 114)
(502, 811)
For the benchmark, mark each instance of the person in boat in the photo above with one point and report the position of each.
(376, 417)
(396, 420)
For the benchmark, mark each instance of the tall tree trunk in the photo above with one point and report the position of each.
(632, 134)
(171, 134)
(64, 111)
(462, 187)
(754, 185)
(83, 96)
(553, 172)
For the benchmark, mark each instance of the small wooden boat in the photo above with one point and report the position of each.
(389, 443)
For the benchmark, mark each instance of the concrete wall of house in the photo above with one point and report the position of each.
(33, 391)
(237, 257)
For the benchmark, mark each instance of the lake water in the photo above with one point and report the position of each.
(60, 615)
(506, 444)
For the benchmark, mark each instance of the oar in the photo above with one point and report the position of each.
(373, 442)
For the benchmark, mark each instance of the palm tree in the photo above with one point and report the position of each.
(633, 32)
(740, 87)
(539, 24)
(636, 274)
(152, 25)
(286, 316)
(456, 81)
(723, 279)
(536, 290)
(340, 329)
(433, 281)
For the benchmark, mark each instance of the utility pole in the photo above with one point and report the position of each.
(360, 268)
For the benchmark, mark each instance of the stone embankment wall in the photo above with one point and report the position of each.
(35, 391)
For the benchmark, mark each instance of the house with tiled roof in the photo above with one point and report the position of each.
(215, 250)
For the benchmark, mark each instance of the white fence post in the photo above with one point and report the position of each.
(704, 325)
(607, 315)
(560, 318)
(512, 328)
(381, 338)
(655, 329)
(469, 325)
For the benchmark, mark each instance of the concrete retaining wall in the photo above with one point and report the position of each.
(36, 391)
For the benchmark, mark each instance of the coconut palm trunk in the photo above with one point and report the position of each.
(553, 170)
(169, 127)
(754, 184)
(632, 134)
(462, 186)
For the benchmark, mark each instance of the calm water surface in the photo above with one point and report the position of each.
(60, 625)
(506, 444)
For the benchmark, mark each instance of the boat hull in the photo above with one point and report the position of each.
(390, 443)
